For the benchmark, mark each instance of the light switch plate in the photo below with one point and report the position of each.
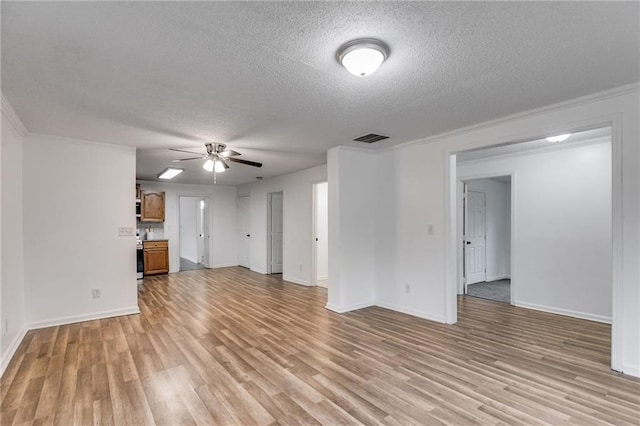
(125, 232)
(429, 229)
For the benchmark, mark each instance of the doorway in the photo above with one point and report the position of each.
(275, 231)
(486, 231)
(320, 268)
(194, 235)
(244, 231)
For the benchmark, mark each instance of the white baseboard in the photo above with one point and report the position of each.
(223, 265)
(11, 350)
(413, 312)
(498, 277)
(296, 281)
(348, 308)
(323, 278)
(259, 271)
(631, 370)
(566, 312)
(323, 283)
(85, 317)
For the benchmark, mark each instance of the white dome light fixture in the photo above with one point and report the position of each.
(363, 56)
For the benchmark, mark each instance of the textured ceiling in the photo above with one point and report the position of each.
(262, 76)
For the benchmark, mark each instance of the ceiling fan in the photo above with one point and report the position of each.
(216, 158)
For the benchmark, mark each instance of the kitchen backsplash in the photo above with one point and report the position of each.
(156, 228)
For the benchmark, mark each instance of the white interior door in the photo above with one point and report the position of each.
(475, 241)
(276, 232)
(244, 232)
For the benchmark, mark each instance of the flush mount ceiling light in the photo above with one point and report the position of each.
(559, 138)
(170, 173)
(363, 56)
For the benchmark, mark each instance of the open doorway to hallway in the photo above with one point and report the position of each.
(561, 222)
(486, 230)
(320, 265)
(194, 235)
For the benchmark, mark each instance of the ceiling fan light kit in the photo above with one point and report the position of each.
(363, 56)
(217, 158)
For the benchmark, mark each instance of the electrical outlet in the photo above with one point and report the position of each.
(407, 288)
(430, 229)
(125, 231)
(95, 293)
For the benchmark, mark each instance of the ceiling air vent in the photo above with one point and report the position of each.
(371, 138)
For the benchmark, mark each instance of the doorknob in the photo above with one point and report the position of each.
(468, 242)
(248, 235)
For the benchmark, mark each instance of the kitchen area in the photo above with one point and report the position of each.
(152, 248)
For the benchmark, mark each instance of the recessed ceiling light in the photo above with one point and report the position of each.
(363, 56)
(558, 138)
(170, 173)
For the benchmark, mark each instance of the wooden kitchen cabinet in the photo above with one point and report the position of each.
(156, 257)
(152, 207)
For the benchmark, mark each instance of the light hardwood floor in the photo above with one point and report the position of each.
(229, 346)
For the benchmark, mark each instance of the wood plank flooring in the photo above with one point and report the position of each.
(229, 346)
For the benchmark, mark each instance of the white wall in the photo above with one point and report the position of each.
(76, 195)
(223, 245)
(410, 194)
(322, 231)
(498, 225)
(562, 232)
(12, 308)
(297, 221)
(189, 208)
(352, 230)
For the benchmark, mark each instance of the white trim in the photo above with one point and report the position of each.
(631, 370)
(259, 271)
(296, 281)
(413, 312)
(7, 356)
(566, 312)
(499, 277)
(13, 118)
(223, 265)
(83, 142)
(323, 278)
(539, 150)
(595, 97)
(84, 317)
(349, 308)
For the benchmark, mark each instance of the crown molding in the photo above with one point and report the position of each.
(627, 89)
(10, 114)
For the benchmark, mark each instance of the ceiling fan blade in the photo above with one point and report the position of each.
(247, 162)
(186, 159)
(229, 153)
(182, 150)
(224, 163)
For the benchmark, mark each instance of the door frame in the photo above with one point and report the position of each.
(269, 238)
(314, 226)
(512, 249)
(208, 262)
(527, 131)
